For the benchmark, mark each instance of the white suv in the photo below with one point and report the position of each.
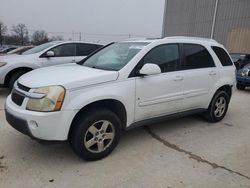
(124, 85)
(48, 54)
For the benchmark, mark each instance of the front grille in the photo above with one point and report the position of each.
(16, 97)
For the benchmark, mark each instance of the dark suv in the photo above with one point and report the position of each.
(243, 77)
(240, 59)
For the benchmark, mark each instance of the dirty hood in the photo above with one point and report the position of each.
(69, 75)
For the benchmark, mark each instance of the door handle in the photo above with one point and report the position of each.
(73, 61)
(178, 78)
(212, 73)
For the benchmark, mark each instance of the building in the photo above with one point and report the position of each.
(227, 21)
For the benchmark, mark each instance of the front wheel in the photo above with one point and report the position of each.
(218, 107)
(240, 87)
(14, 77)
(96, 134)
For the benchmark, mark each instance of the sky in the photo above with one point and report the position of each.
(97, 20)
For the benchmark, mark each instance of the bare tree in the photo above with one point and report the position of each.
(39, 37)
(21, 33)
(56, 38)
(3, 31)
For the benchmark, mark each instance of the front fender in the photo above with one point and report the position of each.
(122, 91)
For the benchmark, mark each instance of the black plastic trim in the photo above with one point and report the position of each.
(17, 123)
(164, 118)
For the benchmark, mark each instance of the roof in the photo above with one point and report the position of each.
(176, 38)
(74, 41)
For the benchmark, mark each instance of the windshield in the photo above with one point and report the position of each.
(39, 48)
(115, 56)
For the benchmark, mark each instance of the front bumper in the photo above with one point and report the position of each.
(18, 123)
(49, 126)
(243, 80)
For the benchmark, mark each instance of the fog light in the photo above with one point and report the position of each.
(33, 124)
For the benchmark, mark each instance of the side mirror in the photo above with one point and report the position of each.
(50, 54)
(150, 69)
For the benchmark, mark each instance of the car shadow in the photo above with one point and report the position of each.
(61, 152)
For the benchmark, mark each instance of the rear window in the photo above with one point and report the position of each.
(223, 56)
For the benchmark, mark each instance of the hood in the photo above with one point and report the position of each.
(16, 58)
(68, 75)
(247, 66)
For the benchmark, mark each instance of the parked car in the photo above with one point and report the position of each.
(19, 50)
(240, 59)
(243, 77)
(6, 50)
(122, 86)
(48, 54)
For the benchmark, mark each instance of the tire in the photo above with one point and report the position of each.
(95, 134)
(218, 107)
(240, 87)
(14, 77)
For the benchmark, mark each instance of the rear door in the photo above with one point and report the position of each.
(200, 75)
(161, 94)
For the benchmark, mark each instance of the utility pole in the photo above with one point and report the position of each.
(80, 36)
(164, 20)
(214, 18)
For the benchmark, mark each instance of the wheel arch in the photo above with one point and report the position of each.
(13, 71)
(114, 105)
(226, 87)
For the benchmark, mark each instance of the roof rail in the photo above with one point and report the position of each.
(188, 37)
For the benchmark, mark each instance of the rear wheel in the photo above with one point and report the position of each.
(218, 107)
(96, 134)
(240, 86)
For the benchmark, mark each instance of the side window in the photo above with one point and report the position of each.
(85, 49)
(196, 57)
(166, 56)
(64, 50)
(222, 55)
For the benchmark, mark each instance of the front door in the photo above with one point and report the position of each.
(64, 53)
(158, 95)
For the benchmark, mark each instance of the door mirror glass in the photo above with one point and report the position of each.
(150, 69)
(50, 54)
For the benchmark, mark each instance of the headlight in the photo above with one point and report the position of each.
(54, 96)
(245, 72)
(2, 64)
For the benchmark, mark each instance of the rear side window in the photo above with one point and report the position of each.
(85, 49)
(196, 57)
(222, 55)
(166, 56)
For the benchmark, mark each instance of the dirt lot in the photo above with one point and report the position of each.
(186, 152)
